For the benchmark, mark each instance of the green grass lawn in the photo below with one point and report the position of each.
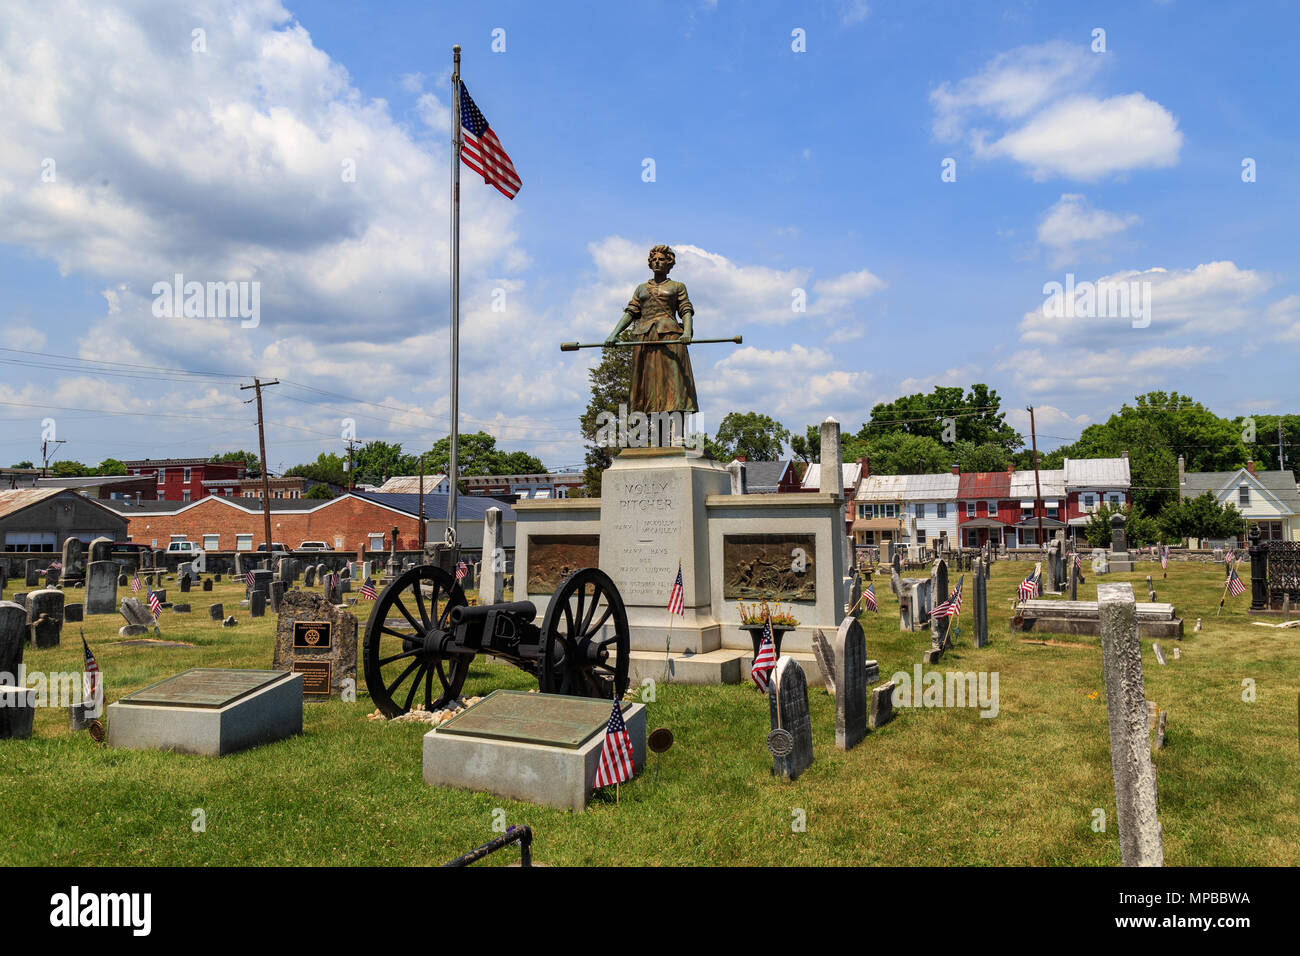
(935, 786)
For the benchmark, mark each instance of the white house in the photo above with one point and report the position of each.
(1268, 499)
(930, 509)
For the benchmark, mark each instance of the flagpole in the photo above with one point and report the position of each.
(452, 471)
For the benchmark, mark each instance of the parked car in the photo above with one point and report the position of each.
(183, 547)
(276, 547)
(314, 546)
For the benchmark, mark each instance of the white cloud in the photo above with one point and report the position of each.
(1285, 316)
(1072, 222)
(1102, 371)
(1050, 122)
(853, 12)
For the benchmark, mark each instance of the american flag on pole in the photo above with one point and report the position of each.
(482, 152)
(368, 592)
(952, 606)
(248, 579)
(869, 596)
(462, 569)
(135, 582)
(1164, 557)
(1028, 588)
(676, 597)
(765, 661)
(90, 679)
(1235, 584)
(616, 753)
(155, 606)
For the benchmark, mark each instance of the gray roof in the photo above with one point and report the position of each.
(1280, 484)
(91, 481)
(764, 476)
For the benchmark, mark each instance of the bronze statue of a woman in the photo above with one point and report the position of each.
(662, 380)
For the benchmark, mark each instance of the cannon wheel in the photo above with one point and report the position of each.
(576, 654)
(400, 663)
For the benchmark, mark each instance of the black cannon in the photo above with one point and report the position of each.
(422, 627)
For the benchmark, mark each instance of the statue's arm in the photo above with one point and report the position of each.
(687, 312)
(623, 323)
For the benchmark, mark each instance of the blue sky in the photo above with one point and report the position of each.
(775, 170)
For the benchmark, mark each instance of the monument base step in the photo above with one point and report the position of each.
(710, 667)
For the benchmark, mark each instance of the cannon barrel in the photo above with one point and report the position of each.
(525, 611)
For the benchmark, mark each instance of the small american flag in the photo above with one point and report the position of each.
(1164, 557)
(462, 569)
(1235, 584)
(676, 597)
(1028, 588)
(869, 596)
(765, 662)
(368, 592)
(952, 606)
(1227, 558)
(482, 152)
(155, 605)
(90, 679)
(135, 582)
(248, 579)
(616, 753)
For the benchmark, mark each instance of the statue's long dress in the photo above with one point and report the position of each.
(662, 380)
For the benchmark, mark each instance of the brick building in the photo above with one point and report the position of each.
(190, 479)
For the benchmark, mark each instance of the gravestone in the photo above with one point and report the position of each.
(33, 570)
(101, 587)
(162, 595)
(45, 616)
(123, 580)
(981, 633)
(1160, 654)
(72, 558)
(1178, 653)
(492, 585)
(1074, 577)
(276, 595)
(216, 611)
(99, 549)
(1051, 585)
(1160, 730)
(180, 609)
(138, 618)
(1119, 560)
(257, 604)
(309, 576)
(72, 613)
(881, 710)
(229, 622)
(787, 699)
(207, 584)
(1130, 749)
(52, 575)
(333, 588)
(345, 587)
(850, 656)
(13, 637)
(261, 581)
(825, 660)
(184, 581)
(319, 640)
(939, 593)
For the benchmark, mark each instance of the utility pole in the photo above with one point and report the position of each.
(258, 384)
(45, 455)
(421, 525)
(1281, 449)
(1038, 488)
(351, 442)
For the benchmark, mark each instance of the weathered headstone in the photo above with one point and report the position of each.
(229, 622)
(72, 558)
(318, 640)
(825, 656)
(184, 581)
(180, 609)
(138, 618)
(52, 575)
(13, 637)
(257, 604)
(101, 587)
(981, 633)
(1160, 730)
(309, 576)
(939, 592)
(216, 611)
(33, 571)
(261, 581)
(787, 699)
(492, 584)
(72, 613)
(333, 588)
(1160, 654)
(1178, 653)
(207, 584)
(1130, 749)
(45, 616)
(850, 655)
(881, 710)
(276, 595)
(99, 549)
(1074, 577)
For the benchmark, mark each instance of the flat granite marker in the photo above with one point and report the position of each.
(318, 640)
(1130, 747)
(787, 700)
(850, 656)
(208, 711)
(542, 748)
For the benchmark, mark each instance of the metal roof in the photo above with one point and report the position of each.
(984, 484)
(763, 476)
(941, 487)
(882, 488)
(1051, 481)
(473, 507)
(1280, 484)
(90, 481)
(13, 500)
(849, 472)
(410, 484)
(1097, 473)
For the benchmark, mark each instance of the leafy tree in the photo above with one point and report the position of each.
(899, 453)
(1139, 530)
(251, 460)
(319, 492)
(975, 417)
(23, 464)
(611, 386)
(808, 446)
(1200, 517)
(110, 466)
(1264, 449)
(327, 467)
(477, 454)
(518, 463)
(756, 436)
(69, 469)
(986, 457)
(376, 461)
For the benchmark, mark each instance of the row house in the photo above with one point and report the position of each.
(190, 479)
(770, 477)
(565, 484)
(986, 512)
(1031, 519)
(1268, 500)
(878, 511)
(930, 510)
(851, 477)
(1093, 482)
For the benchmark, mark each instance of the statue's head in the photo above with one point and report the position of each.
(661, 259)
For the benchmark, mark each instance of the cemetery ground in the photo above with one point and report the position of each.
(935, 786)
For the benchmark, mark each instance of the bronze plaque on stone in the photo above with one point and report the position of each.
(204, 687)
(778, 567)
(553, 720)
(311, 635)
(315, 677)
(552, 556)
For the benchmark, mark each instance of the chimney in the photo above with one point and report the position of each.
(1011, 469)
(865, 462)
(956, 469)
(1182, 471)
(1124, 453)
(1250, 466)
